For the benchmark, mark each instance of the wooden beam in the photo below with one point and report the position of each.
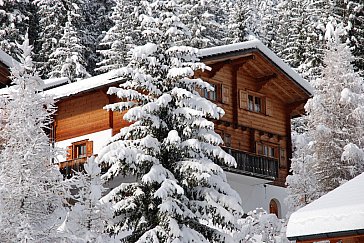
(263, 81)
(216, 67)
(294, 105)
(235, 95)
(236, 63)
(242, 60)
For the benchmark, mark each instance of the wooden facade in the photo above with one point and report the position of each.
(258, 98)
(4, 75)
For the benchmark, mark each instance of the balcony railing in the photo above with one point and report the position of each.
(68, 168)
(247, 163)
(252, 164)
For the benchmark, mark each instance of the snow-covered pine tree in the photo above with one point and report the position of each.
(253, 19)
(121, 37)
(87, 219)
(351, 13)
(181, 194)
(206, 21)
(300, 36)
(30, 189)
(68, 58)
(14, 21)
(335, 118)
(236, 25)
(301, 183)
(97, 22)
(52, 16)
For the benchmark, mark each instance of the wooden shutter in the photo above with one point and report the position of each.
(225, 94)
(89, 148)
(69, 155)
(243, 99)
(268, 107)
(200, 91)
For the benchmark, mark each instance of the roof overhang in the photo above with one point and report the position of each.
(232, 51)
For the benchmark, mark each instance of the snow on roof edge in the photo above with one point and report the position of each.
(341, 210)
(257, 44)
(52, 82)
(7, 59)
(83, 85)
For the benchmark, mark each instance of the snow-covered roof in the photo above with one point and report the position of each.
(338, 212)
(83, 85)
(53, 82)
(6, 59)
(111, 77)
(256, 44)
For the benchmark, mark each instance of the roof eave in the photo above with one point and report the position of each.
(258, 47)
(323, 236)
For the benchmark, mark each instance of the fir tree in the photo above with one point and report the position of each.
(87, 219)
(205, 21)
(121, 36)
(69, 56)
(14, 21)
(97, 18)
(180, 193)
(300, 36)
(30, 191)
(301, 183)
(335, 116)
(237, 28)
(52, 16)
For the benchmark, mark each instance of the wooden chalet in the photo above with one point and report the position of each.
(258, 91)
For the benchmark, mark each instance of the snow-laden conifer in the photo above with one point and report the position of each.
(300, 35)
(30, 189)
(87, 219)
(14, 21)
(52, 16)
(69, 58)
(206, 21)
(301, 183)
(253, 19)
(97, 22)
(335, 118)
(122, 36)
(181, 194)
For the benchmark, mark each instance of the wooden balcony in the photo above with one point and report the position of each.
(253, 164)
(247, 164)
(67, 168)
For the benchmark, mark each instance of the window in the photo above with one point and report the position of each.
(212, 95)
(255, 103)
(77, 154)
(252, 101)
(79, 150)
(267, 150)
(227, 140)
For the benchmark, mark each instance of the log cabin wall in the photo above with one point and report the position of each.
(84, 114)
(242, 127)
(258, 133)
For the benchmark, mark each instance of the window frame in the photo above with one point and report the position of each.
(253, 100)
